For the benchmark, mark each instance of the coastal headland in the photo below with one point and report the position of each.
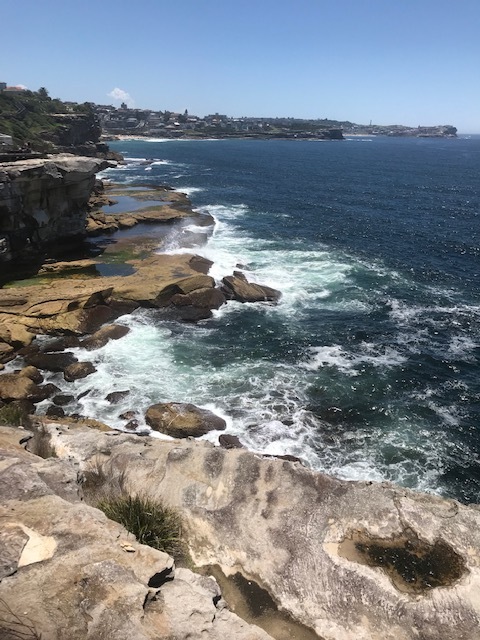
(325, 558)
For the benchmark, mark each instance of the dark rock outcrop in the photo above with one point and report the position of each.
(229, 441)
(237, 287)
(51, 361)
(102, 336)
(116, 396)
(198, 304)
(78, 370)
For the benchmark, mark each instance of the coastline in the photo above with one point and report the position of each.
(234, 494)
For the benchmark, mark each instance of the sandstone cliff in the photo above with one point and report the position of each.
(349, 560)
(66, 571)
(44, 201)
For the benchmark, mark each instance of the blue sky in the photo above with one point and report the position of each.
(389, 61)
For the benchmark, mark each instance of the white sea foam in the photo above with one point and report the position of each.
(352, 363)
(462, 347)
(189, 190)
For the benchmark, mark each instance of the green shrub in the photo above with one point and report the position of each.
(150, 522)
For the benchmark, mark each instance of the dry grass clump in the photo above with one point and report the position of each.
(150, 521)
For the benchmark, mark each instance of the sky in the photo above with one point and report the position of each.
(412, 62)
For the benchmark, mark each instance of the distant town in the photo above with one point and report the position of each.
(145, 122)
(33, 122)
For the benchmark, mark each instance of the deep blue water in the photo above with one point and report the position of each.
(369, 366)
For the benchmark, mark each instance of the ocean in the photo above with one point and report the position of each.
(368, 368)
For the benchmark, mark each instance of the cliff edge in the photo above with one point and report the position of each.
(44, 201)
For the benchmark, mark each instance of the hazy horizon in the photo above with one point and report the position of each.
(413, 63)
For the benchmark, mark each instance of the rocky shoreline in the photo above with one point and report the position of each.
(344, 560)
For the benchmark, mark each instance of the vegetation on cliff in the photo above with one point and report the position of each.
(33, 117)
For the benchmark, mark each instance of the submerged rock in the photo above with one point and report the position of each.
(116, 396)
(182, 420)
(53, 411)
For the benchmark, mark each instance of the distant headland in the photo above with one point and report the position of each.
(33, 122)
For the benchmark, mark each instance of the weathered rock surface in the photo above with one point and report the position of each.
(71, 306)
(66, 571)
(181, 420)
(351, 560)
(44, 200)
(33, 373)
(17, 387)
(13, 334)
(100, 223)
(238, 288)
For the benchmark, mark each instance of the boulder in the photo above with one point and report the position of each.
(132, 425)
(102, 336)
(6, 352)
(62, 399)
(33, 373)
(60, 344)
(182, 420)
(116, 396)
(229, 441)
(16, 387)
(237, 287)
(51, 361)
(128, 415)
(78, 370)
(48, 390)
(55, 412)
(197, 304)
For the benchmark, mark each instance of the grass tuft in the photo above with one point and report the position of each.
(11, 415)
(150, 522)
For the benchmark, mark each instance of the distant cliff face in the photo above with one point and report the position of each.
(75, 129)
(42, 201)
